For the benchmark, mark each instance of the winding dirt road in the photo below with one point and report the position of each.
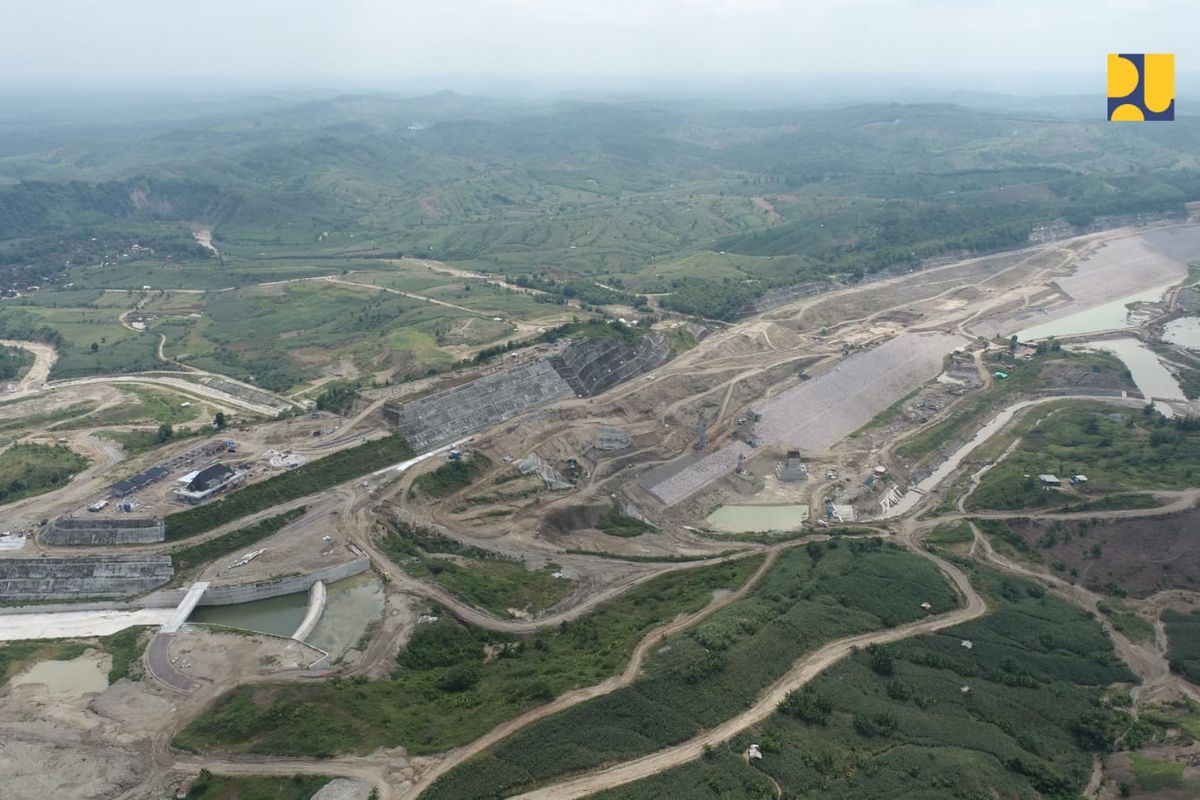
(627, 676)
(44, 357)
(803, 671)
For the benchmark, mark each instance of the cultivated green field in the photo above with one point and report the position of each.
(811, 596)
(446, 692)
(1183, 636)
(895, 722)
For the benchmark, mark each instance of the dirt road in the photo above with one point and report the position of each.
(1147, 660)
(184, 387)
(803, 671)
(44, 357)
(627, 676)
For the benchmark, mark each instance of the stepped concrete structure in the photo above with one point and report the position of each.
(609, 439)
(84, 531)
(595, 365)
(584, 368)
(82, 576)
(447, 416)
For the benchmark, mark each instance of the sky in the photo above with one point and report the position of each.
(77, 43)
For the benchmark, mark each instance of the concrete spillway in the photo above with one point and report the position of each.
(316, 607)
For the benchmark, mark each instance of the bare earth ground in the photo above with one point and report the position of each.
(745, 366)
(1142, 555)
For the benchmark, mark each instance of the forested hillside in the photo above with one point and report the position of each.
(703, 203)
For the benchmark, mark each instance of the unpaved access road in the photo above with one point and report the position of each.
(44, 357)
(1147, 660)
(184, 387)
(627, 676)
(803, 671)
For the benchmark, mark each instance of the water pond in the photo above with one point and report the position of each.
(750, 519)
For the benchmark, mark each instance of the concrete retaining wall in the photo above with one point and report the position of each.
(163, 598)
(290, 584)
(63, 578)
(67, 531)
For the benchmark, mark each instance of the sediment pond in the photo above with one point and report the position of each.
(1150, 376)
(352, 604)
(749, 519)
(1111, 316)
(278, 615)
(1184, 332)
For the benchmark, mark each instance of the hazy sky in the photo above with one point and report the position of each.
(80, 42)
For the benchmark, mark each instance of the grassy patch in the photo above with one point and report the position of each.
(149, 406)
(1127, 622)
(15, 657)
(13, 362)
(615, 523)
(697, 679)
(1116, 502)
(31, 469)
(165, 408)
(255, 787)
(312, 477)
(1153, 775)
(1006, 540)
(894, 722)
(681, 339)
(447, 691)
(1185, 715)
(140, 441)
(274, 333)
(189, 558)
(950, 534)
(452, 476)
(1118, 450)
(476, 576)
(1183, 636)
(338, 397)
(46, 420)
(126, 648)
